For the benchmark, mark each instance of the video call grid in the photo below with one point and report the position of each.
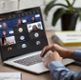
(29, 22)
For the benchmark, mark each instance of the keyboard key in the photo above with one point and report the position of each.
(30, 60)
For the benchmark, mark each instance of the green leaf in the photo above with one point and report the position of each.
(61, 5)
(78, 9)
(68, 3)
(51, 6)
(48, 6)
(80, 16)
(73, 2)
(57, 14)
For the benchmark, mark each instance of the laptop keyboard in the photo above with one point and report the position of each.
(30, 60)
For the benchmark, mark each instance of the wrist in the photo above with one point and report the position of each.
(70, 54)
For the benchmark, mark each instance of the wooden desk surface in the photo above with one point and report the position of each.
(45, 76)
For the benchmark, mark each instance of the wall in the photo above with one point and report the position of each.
(11, 5)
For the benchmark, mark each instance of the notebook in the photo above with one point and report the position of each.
(10, 76)
(68, 38)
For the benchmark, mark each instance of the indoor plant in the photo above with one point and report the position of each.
(68, 14)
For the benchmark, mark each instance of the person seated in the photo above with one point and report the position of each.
(35, 28)
(33, 20)
(53, 61)
(20, 23)
(4, 26)
(3, 38)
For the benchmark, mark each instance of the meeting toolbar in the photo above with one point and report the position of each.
(18, 14)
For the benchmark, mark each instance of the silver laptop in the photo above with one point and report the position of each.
(22, 38)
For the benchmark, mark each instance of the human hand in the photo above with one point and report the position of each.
(64, 53)
(52, 56)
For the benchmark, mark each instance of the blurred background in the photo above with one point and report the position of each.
(11, 5)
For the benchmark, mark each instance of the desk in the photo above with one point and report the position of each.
(45, 76)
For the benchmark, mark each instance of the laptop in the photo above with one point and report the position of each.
(22, 38)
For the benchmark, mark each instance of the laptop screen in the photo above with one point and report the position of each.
(21, 32)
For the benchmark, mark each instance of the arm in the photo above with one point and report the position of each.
(64, 53)
(77, 55)
(59, 72)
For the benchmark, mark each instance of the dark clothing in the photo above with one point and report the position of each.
(35, 30)
(33, 21)
(5, 27)
(3, 39)
(18, 25)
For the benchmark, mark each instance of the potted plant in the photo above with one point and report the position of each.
(68, 14)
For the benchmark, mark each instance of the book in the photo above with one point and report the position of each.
(10, 76)
(67, 38)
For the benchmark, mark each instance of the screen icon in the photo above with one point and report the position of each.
(39, 25)
(37, 42)
(22, 37)
(20, 30)
(24, 45)
(9, 48)
(36, 34)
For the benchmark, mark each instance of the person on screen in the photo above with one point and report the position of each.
(4, 26)
(3, 38)
(33, 20)
(20, 23)
(9, 48)
(35, 28)
(8, 43)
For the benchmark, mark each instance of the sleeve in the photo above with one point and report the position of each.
(77, 55)
(59, 72)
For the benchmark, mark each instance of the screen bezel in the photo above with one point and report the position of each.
(18, 11)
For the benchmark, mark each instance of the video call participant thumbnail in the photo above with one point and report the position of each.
(37, 34)
(33, 20)
(8, 32)
(18, 30)
(19, 22)
(34, 35)
(21, 37)
(38, 42)
(9, 41)
(34, 27)
(5, 25)
(24, 45)
(9, 48)
(35, 30)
